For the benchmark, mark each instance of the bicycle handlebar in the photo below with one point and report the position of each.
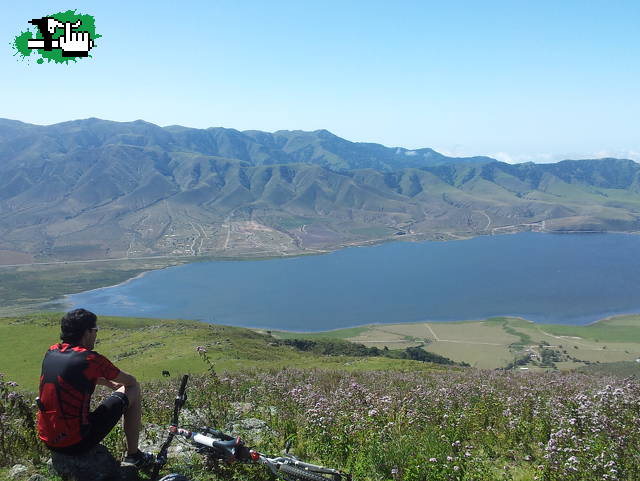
(181, 398)
(161, 458)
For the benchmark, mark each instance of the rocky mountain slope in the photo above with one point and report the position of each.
(94, 189)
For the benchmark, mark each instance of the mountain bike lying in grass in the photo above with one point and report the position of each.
(220, 447)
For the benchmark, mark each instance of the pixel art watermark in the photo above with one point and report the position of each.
(59, 37)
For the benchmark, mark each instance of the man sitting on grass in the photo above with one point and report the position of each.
(70, 372)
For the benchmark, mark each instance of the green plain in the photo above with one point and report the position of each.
(146, 347)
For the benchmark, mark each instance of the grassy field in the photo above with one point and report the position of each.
(146, 347)
(496, 342)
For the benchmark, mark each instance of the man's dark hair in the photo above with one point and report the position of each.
(74, 324)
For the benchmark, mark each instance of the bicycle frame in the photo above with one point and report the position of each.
(229, 449)
(273, 463)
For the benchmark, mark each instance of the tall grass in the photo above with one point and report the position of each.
(470, 425)
(451, 425)
(18, 432)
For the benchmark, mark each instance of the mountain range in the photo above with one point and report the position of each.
(96, 189)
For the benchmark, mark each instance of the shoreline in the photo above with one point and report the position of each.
(367, 325)
(609, 318)
(64, 301)
(463, 321)
(414, 237)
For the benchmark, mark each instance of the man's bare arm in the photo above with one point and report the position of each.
(126, 380)
(110, 384)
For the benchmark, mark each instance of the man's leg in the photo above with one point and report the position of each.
(132, 417)
(101, 422)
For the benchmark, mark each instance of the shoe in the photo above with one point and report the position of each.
(141, 459)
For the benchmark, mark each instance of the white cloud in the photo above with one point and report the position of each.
(503, 157)
(540, 157)
(518, 158)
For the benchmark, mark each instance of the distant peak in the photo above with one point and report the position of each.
(324, 133)
(12, 122)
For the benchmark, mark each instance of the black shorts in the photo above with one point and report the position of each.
(101, 422)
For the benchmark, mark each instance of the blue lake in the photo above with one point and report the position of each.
(571, 279)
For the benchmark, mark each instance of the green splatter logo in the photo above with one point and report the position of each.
(59, 37)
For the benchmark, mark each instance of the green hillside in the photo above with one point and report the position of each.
(377, 418)
(383, 425)
(146, 347)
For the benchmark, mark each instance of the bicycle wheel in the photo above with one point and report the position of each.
(293, 473)
(174, 477)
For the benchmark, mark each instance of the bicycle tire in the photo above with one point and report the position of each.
(174, 477)
(294, 473)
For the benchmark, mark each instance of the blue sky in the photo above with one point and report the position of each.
(520, 81)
